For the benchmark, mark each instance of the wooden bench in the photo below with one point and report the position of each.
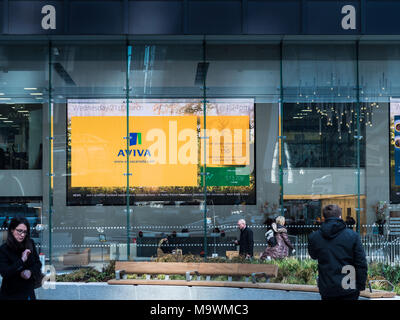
(215, 269)
(253, 271)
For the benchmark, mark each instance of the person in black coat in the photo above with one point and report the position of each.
(350, 222)
(19, 263)
(342, 266)
(246, 241)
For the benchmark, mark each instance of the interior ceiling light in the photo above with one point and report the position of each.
(36, 94)
(30, 88)
(1, 94)
(5, 98)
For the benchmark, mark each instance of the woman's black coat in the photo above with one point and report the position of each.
(13, 286)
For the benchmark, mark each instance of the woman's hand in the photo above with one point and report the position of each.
(25, 255)
(26, 274)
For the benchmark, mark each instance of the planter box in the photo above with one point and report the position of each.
(103, 291)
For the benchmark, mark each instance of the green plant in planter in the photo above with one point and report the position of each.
(177, 277)
(239, 259)
(287, 267)
(397, 289)
(220, 278)
(217, 260)
(391, 273)
(375, 269)
(89, 275)
(294, 271)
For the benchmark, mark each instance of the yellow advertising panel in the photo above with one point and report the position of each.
(162, 151)
(227, 140)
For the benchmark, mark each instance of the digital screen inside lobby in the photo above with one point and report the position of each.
(167, 145)
(394, 150)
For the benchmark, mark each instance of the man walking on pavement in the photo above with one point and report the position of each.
(342, 266)
(246, 241)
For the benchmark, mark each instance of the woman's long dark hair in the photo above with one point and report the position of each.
(12, 242)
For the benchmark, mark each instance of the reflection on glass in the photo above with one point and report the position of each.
(321, 135)
(165, 149)
(21, 136)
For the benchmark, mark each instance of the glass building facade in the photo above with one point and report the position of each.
(108, 146)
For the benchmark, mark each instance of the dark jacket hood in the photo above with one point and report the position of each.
(332, 227)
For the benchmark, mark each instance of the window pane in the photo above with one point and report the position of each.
(23, 89)
(316, 131)
(89, 81)
(321, 151)
(251, 70)
(379, 73)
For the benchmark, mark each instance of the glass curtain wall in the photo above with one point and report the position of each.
(183, 136)
(247, 75)
(379, 71)
(23, 85)
(167, 99)
(322, 156)
(89, 126)
(120, 150)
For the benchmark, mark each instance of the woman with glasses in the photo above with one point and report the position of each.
(19, 262)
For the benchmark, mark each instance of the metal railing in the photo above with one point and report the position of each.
(379, 244)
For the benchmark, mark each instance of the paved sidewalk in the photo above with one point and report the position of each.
(103, 291)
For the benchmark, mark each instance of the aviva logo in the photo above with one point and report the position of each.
(135, 138)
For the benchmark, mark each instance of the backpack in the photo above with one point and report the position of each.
(270, 238)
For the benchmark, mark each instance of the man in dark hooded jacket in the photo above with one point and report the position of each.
(342, 266)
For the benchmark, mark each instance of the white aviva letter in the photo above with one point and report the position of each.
(349, 20)
(49, 20)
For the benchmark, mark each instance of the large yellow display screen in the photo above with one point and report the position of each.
(162, 151)
(165, 142)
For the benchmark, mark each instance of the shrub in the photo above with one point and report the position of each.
(294, 271)
(397, 289)
(391, 273)
(89, 274)
(380, 271)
